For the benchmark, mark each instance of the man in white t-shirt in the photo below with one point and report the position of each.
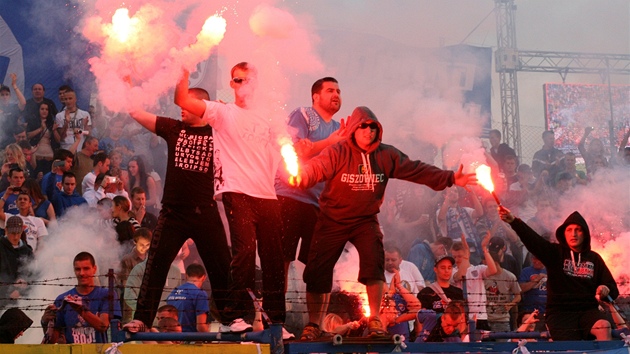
(100, 165)
(475, 275)
(70, 121)
(393, 261)
(35, 227)
(246, 157)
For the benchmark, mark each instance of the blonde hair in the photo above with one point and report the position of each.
(18, 153)
(331, 321)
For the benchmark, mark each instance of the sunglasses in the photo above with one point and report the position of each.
(372, 125)
(239, 80)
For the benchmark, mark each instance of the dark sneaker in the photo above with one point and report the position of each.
(311, 332)
(134, 326)
(375, 327)
(237, 326)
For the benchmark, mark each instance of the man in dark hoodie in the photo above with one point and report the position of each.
(577, 278)
(356, 172)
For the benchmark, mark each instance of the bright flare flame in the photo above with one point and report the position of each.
(290, 158)
(484, 178)
(122, 25)
(214, 28)
(365, 304)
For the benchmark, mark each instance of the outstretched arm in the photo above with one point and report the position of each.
(145, 119)
(185, 101)
(465, 179)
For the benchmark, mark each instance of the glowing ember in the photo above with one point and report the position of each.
(290, 158)
(484, 178)
(365, 305)
(122, 26)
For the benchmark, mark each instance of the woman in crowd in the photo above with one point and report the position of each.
(13, 158)
(42, 207)
(116, 170)
(43, 138)
(124, 224)
(138, 177)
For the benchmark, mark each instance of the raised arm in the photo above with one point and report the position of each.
(185, 101)
(18, 93)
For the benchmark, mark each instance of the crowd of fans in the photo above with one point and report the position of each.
(57, 159)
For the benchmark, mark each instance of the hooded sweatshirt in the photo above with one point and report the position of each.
(573, 277)
(12, 322)
(356, 178)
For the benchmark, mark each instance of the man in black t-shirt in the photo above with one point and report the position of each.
(188, 210)
(437, 295)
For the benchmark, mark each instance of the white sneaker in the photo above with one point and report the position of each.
(237, 326)
(286, 334)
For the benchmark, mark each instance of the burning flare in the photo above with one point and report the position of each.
(485, 179)
(290, 158)
(123, 27)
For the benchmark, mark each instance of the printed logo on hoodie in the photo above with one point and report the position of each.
(581, 270)
(362, 180)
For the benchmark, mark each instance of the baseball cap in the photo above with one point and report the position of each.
(441, 258)
(14, 224)
(496, 244)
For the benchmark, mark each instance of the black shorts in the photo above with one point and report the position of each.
(573, 325)
(298, 222)
(328, 243)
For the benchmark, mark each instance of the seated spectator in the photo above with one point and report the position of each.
(13, 323)
(68, 196)
(83, 312)
(167, 311)
(578, 177)
(449, 326)
(191, 301)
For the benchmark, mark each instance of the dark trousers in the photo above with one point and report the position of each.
(175, 225)
(255, 220)
(298, 221)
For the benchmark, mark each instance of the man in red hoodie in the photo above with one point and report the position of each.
(356, 172)
(577, 278)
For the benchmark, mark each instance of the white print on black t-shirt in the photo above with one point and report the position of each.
(193, 152)
(584, 269)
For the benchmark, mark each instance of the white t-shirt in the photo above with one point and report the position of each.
(406, 280)
(246, 151)
(77, 121)
(476, 290)
(88, 182)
